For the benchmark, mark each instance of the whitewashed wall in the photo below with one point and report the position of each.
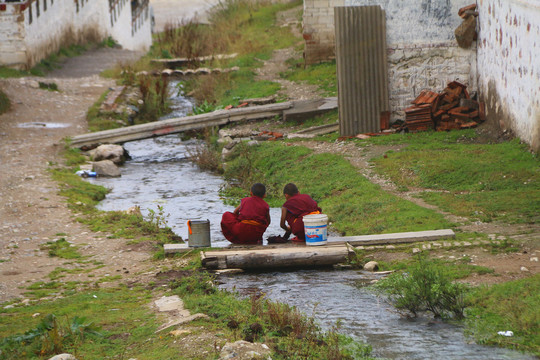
(30, 38)
(133, 34)
(509, 65)
(422, 52)
(12, 49)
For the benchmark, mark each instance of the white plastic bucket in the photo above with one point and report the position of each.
(316, 229)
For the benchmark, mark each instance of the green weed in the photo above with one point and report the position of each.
(48, 86)
(426, 286)
(6, 72)
(62, 249)
(51, 336)
(5, 104)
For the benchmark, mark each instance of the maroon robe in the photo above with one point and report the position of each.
(297, 207)
(249, 225)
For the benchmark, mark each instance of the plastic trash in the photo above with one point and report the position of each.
(86, 173)
(506, 333)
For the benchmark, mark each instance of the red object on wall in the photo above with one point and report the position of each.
(3, 7)
(23, 6)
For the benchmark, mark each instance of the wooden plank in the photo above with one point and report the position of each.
(183, 61)
(303, 109)
(277, 257)
(175, 125)
(394, 238)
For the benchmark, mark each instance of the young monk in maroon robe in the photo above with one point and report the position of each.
(247, 224)
(293, 211)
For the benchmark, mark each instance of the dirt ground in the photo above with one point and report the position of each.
(32, 213)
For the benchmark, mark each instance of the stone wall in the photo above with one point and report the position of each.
(37, 28)
(509, 65)
(422, 52)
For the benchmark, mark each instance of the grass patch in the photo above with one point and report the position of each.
(5, 104)
(236, 26)
(62, 249)
(6, 72)
(354, 205)
(510, 306)
(120, 316)
(486, 182)
(322, 75)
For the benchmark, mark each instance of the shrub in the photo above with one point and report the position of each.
(155, 93)
(5, 104)
(426, 286)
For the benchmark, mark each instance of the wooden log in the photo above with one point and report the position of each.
(271, 258)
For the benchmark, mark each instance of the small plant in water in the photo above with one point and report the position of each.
(426, 286)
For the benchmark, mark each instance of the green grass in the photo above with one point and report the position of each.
(486, 182)
(5, 104)
(119, 313)
(99, 121)
(323, 75)
(6, 72)
(62, 249)
(510, 306)
(354, 205)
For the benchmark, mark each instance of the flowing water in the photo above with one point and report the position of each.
(160, 174)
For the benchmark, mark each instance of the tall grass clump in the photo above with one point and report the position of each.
(5, 104)
(426, 286)
(51, 336)
(155, 94)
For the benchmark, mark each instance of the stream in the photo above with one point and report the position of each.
(160, 173)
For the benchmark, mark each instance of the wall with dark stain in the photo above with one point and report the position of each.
(422, 50)
(509, 65)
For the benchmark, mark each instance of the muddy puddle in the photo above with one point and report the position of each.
(160, 174)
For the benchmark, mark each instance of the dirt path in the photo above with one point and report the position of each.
(32, 212)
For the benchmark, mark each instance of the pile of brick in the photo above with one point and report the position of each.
(450, 109)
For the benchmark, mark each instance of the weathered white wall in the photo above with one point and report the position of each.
(12, 49)
(30, 39)
(133, 34)
(422, 51)
(509, 65)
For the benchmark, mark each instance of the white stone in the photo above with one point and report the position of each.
(63, 357)
(371, 266)
(534, 259)
(416, 250)
(523, 268)
(106, 168)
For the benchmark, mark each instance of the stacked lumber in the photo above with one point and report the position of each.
(453, 108)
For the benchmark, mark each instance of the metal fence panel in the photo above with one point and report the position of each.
(361, 68)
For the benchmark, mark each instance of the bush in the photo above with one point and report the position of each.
(426, 286)
(5, 104)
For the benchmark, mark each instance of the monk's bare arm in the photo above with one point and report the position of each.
(282, 223)
(237, 210)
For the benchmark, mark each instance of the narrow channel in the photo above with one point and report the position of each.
(160, 173)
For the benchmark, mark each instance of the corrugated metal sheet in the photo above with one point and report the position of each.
(361, 68)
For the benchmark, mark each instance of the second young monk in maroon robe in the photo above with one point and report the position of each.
(247, 224)
(294, 209)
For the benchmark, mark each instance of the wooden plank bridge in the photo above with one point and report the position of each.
(195, 122)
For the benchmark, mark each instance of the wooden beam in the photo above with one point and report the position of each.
(277, 257)
(176, 125)
(394, 238)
